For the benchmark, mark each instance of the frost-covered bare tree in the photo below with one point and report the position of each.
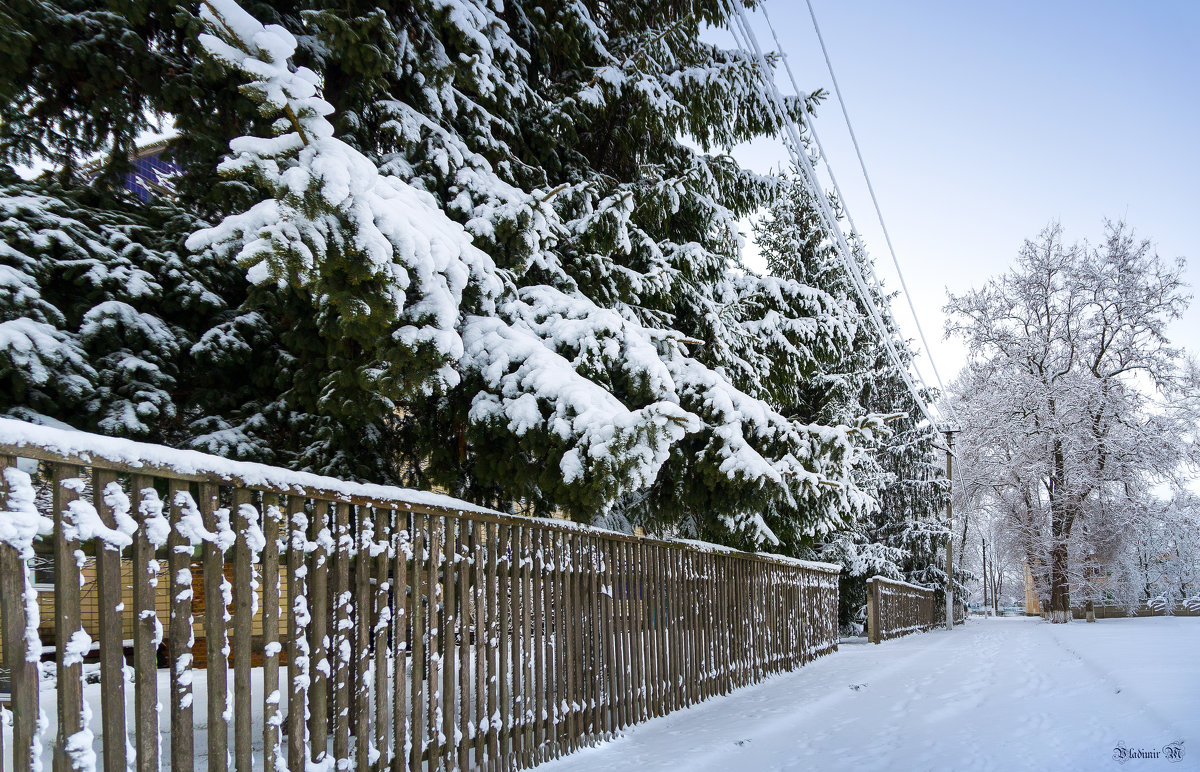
(1074, 402)
(1160, 562)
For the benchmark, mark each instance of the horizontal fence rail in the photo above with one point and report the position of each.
(898, 608)
(302, 622)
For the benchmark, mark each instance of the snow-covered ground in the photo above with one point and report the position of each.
(997, 694)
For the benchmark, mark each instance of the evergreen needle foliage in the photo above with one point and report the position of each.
(485, 247)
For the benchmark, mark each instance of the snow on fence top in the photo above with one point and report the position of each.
(705, 546)
(900, 583)
(44, 443)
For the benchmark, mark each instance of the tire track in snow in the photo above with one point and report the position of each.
(1117, 688)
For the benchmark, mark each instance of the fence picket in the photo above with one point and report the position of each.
(401, 648)
(16, 590)
(527, 647)
(617, 587)
(463, 651)
(272, 717)
(506, 673)
(181, 634)
(216, 603)
(492, 602)
(243, 615)
(364, 523)
(343, 628)
(112, 660)
(520, 627)
(381, 621)
(318, 641)
(608, 671)
(298, 651)
(595, 635)
(562, 644)
(482, 642)
(146, 629)
(661, 606)
(421, 557)
(541, 709)
(449, 626)
(67, 613)
(436, 626)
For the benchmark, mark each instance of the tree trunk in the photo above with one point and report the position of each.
(1060, 593)
(1060, 529)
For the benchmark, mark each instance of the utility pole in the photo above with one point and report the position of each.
(950, 527)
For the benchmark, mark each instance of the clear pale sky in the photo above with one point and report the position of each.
(982, 122)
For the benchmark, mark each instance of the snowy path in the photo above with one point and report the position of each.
(998, 694)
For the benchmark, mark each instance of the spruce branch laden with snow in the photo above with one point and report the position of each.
(565, 327)
(332, 220)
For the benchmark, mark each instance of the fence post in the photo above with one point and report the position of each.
(297, 631)
(22, 663)
(243, 602)
(68, 618)
(181, 628)
(112, 678)
(216, 637)
(318, 632)
(873, 611)
(271, 516)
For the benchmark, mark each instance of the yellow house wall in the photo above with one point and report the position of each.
(1032, 607)
(89, 602)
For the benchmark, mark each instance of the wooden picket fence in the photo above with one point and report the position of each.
(1114, 611)
(897, 608)
(421, 632)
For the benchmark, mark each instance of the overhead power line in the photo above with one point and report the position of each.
(867, 177)
(799, 155)
(845, 202)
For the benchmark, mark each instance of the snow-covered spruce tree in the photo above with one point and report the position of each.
(368, 258)
(913, 490)
(100, 77)
(832, 386)
(651, 233)
(109, 271)
(905, 537)
(635, 278)
(855, 376)
(96, 309)
(601, 341)
(368, 269)
(42, 364)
